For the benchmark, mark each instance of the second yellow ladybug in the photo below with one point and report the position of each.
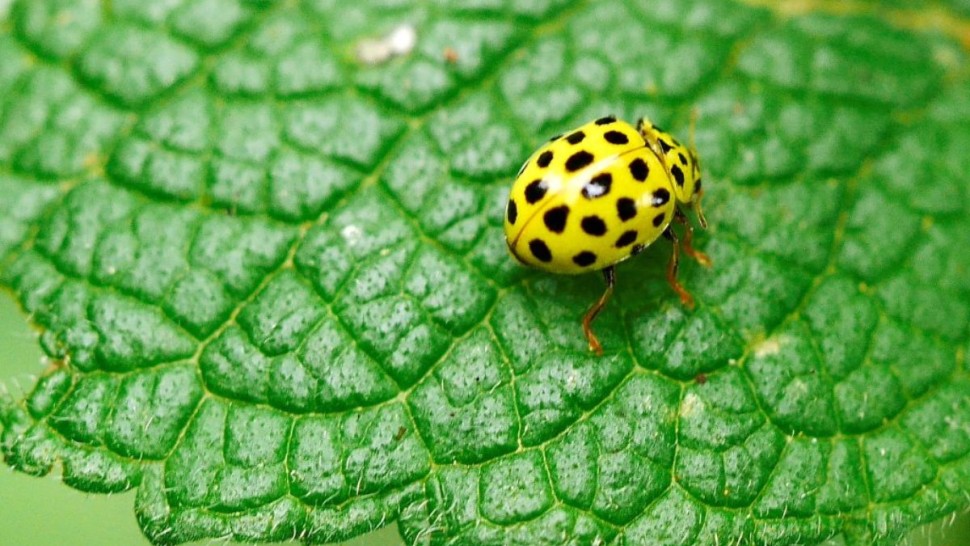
(593, 197)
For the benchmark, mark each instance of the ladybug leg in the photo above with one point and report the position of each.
(689, 249)
(609, 274)
(695, 204)
(672, 267)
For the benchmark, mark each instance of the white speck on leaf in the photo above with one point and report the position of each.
(373, 51)
(770, 346)
(402, 39)
(399, 41)
(691, 405)
(351, 234)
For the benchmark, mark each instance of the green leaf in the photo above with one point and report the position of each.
(273, 289)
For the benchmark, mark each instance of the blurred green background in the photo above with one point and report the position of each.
(44, 512)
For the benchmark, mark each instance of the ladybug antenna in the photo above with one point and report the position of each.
(696, 205)
(698, 191)
(694, 113)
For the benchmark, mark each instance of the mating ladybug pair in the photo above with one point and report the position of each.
(593, 197)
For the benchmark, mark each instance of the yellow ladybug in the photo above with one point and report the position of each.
(593, 197)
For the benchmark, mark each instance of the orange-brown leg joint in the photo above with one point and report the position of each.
(672, 267)
(594, 343)
(689, 249)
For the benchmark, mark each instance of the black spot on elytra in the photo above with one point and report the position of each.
(627, 238)
(512, 211)
(555, 138)
(683, 159)
(555, 218)
(606, 120)
(697, 186)
(678, 175)
(544, 159)
(578, 160)
(593, 225)
(658, 219)
(664, 145)
(626, 208)
(584, 258)
(540, 250)
(535, 191)
(639, 169)
(576, 137)
(660, 197)
(598, 186)
(616, 137)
